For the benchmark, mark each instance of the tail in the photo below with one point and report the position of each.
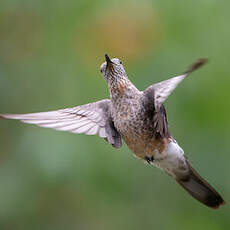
(197, 187)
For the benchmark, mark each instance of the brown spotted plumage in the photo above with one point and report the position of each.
(137, 117)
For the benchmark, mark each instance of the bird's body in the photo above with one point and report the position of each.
(133, 117)
(133, 120)
(137, 117)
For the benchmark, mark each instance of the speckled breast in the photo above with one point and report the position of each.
(136, 129)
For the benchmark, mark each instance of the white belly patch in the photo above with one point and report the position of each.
(173, 161)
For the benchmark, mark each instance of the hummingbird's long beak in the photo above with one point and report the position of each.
(109, 62)
(108, 59)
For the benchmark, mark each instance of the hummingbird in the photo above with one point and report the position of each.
(139, 119)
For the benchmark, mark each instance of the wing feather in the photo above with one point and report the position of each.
(159, 92)
(156, 94)
(164, 89)
(90, 119)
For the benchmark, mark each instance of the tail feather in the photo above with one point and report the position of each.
(201, 190)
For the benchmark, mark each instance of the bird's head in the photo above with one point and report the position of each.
(113, 70)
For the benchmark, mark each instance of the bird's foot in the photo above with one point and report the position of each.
(148, 159)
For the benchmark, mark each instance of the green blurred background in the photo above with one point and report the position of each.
(50, 53)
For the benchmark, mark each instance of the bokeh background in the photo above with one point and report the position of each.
(50, 53)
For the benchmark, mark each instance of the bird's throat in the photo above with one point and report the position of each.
(119, 88)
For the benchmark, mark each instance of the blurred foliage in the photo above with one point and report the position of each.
(50, 53)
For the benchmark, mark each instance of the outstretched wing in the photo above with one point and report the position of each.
(163, 89)
(156, 94)
(92, 119)
(159, 92)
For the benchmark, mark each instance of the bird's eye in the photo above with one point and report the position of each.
(120, 62)
(101, 70)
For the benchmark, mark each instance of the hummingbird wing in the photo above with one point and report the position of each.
(156, 94)
(92, 119)
(160, 91)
